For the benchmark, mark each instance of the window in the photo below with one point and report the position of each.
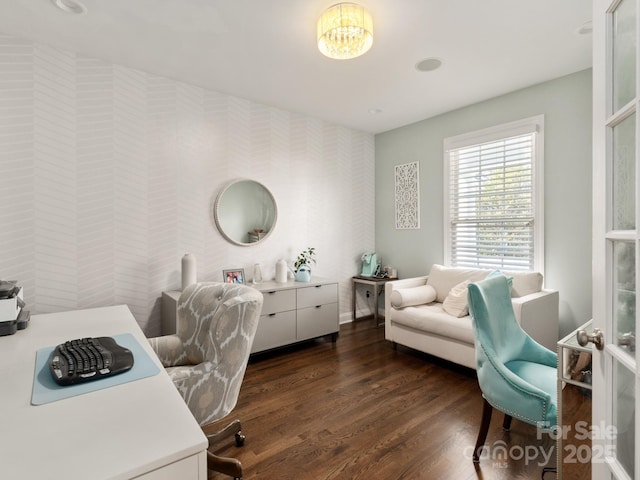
(493, 197)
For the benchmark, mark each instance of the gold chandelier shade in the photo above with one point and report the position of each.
(345, 31)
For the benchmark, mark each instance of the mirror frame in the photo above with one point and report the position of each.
(216, 213)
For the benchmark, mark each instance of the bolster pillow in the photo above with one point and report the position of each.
(407, 297)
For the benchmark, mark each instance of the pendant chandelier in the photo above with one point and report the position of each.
(345, 31)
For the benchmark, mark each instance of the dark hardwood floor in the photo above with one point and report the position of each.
(358, 409)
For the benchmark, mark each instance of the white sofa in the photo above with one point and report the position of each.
(418, 311)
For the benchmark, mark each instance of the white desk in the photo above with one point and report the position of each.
(143, 428)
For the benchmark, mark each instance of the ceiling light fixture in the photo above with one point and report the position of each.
(70, 6)
(345, 31)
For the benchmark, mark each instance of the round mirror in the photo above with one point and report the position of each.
(245, 212)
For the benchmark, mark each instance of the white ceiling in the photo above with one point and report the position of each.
(265, 50)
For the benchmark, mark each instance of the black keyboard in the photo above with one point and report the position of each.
(87, 359)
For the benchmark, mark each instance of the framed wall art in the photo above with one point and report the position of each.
(407, 196)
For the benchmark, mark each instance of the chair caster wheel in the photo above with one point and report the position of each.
(240, 438)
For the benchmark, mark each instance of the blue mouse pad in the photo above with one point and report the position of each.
(46, 390)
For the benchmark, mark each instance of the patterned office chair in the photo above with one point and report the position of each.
(208, 356)
(516, 375)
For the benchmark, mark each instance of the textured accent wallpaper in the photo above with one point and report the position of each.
(108, 176)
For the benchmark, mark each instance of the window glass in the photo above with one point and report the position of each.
(491, 208)
(624, 53)
(624, 172)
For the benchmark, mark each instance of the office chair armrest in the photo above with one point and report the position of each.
(169, 349)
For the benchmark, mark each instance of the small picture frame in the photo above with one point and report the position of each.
(233, 275)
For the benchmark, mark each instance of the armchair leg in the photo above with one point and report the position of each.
(487, 410)
(506, 424)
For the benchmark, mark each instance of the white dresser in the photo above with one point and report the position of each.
(291, 312)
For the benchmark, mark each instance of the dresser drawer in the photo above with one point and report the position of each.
(317, 295)
(278, 301)
(317, 321)
(295, 312)
(275, 330)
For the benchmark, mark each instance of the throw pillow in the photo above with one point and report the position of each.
(456, 303)
(408, 297)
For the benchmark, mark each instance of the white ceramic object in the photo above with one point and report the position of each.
(281, 271)
(189, 274)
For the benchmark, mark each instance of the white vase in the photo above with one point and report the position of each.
(188, 270)
(281, 271)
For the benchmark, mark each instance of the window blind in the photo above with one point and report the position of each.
(491, 204)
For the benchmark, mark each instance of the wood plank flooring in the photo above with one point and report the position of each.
(358, 409)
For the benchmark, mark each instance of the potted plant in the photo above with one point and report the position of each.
(302, 272)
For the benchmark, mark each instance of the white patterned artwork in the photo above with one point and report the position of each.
(407, 196)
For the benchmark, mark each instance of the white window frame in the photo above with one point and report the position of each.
(533, 125)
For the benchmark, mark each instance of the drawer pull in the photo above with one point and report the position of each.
(272, 315)
(318, 306)
(318, 286)
(271, 292)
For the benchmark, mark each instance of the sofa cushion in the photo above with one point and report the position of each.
(434, 320)
(456, 303)
(443, 279)
(407, 297)
(525, 283)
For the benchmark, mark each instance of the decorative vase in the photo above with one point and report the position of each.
(281, 271)
(303, 274)
(188, 270)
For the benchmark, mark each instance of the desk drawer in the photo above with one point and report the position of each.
(278, 301)
(317, 321)
(275, 330)
(186, 468)
(317, 295)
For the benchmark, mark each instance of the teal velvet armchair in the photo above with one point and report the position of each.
(516, 375)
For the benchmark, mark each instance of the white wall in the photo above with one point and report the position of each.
(566, 105)
(108, 176)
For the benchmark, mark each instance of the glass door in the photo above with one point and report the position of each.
(615, 240)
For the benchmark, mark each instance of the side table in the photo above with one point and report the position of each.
(378, 288)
